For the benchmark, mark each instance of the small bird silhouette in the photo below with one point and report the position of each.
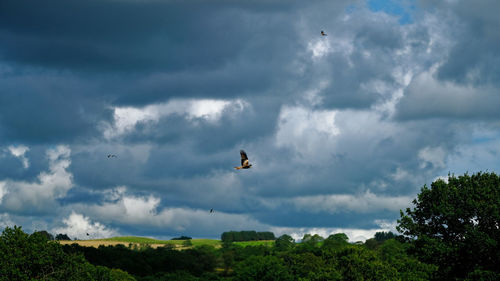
(211, 210)
(244, 161)
(87, 234)
(323, 33)
(111, 155)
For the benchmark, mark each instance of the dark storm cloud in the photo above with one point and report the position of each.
(135, 35)
(12, 167)
(41, 108)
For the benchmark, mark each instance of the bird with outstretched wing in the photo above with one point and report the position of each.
(244, 161)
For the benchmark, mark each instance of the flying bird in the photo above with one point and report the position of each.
(111, 155)
(211, 210)
(323, 33)
(244, 161)
(87, 234)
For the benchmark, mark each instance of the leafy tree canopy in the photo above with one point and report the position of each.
(44, 234)
(62, 237)
(456, 225)
(33, 257)
(336, 240)
(284, 243)
(181, 238)
(382, 236)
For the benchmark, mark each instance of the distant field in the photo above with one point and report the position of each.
(154, 243)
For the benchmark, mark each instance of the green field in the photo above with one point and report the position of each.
(195, 242)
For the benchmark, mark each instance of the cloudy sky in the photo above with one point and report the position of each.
(343, 130)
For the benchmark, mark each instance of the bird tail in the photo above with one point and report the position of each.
(237, 168)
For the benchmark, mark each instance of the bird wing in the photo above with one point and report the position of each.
(243, 157)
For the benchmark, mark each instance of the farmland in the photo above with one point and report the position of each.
(155, 243)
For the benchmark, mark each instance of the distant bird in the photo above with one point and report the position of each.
(323, 33)
(87, 234)
(111, 155)
(244, 161)
(211, 210)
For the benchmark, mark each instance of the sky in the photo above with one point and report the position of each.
(342, 130)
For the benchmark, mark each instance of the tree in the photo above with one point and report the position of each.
(358, 263)
(307, 266)
(264, 268)
(382, 236)
(62, 237)
(310, 243)
(337, 240)
(33, 257)
(284, 243)
(455, 225)
(44, 234)
(181, 238)
(409, 268)
(249, 235)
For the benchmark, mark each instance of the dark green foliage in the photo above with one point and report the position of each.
(382, 236)
(170, 276)
(182, 238)
(409, 268)
(310, 243)
(149, 261)
(120, 275)
(483, 275)
(264, 268)
(336, 241)
(30, 257)
(44, 234)
(455, 226)
(307, 266)
(358, 263)
(379, 238)
(236, 236)
(371, 243)
(284, 243)
(62, 237)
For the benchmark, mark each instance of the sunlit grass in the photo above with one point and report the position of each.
(194, 242)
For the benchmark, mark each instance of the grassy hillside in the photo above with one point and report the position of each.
(195, 242)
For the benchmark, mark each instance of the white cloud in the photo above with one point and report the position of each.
(361, 203)
(126, 118)
(319, 48)
(19, 151)
(428, 97)
(77, 226)
(5, 221)
(435, 156)
(3, 190)
(305, 130)
(354, 234)
(401, 174)
(49, 185)
(443, 178)
(145, 211)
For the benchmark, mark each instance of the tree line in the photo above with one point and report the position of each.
(251, 235)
